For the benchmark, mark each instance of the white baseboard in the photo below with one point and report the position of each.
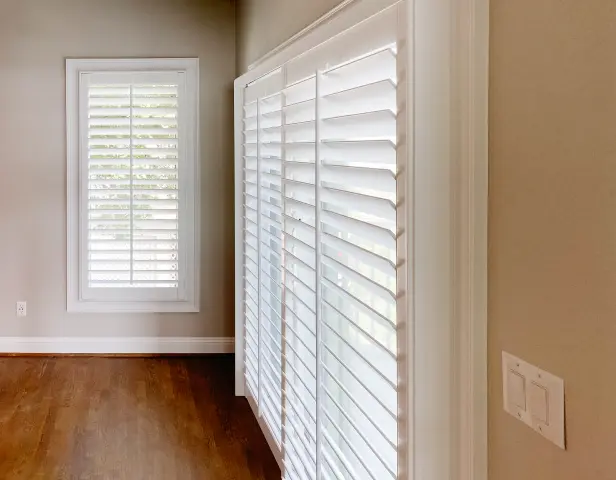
(120, 345)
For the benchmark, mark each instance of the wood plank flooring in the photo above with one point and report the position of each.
(127, 418)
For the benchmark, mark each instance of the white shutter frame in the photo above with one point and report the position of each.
(186, 298)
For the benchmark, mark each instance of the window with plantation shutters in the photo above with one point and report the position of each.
(132, 185)
(323, 288)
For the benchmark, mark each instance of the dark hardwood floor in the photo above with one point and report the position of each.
(127, 418)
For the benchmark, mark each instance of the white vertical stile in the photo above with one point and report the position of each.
(240, 307)
(404, 162)
(260, 260)
(84, 91)
(130, 169)
(319, 330)
(283, 310)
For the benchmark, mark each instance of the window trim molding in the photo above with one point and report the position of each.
(470, 90)
(74, 67)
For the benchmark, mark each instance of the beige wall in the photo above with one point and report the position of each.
(552, 233)
(264, 24)
(35, 38)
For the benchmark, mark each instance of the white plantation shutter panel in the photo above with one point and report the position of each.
(133, 185)
(338, 229)
(270, 204)
(358, 227)
(251, 249)
(301, 371)
(263, 256)
(137, 193)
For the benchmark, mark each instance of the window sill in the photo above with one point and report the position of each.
(79, 306)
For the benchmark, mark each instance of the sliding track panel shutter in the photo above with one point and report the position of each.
(251, 245)
(263, 256)
(300, 333)
(325, 147)
(356, 165)
(357, 193)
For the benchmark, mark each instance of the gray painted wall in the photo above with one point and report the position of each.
(35, 38)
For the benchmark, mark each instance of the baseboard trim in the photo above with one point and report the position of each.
(115, 346)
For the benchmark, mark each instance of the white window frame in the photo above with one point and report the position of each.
(188, 299)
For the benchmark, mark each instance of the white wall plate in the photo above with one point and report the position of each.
(535, 397)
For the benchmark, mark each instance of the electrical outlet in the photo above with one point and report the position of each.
(21, 309)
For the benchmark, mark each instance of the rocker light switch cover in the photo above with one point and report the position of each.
(535, 397)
